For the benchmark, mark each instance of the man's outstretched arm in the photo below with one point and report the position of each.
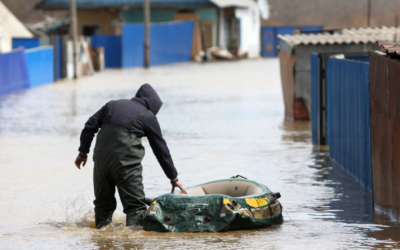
(161, 151)
(91, 127)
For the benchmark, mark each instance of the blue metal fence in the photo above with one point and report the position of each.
(269, 42)
(314, 97)
(40, 62)
(349, 132)
(311, 28)
(112, 49)
(59, 54)
(13, 72)
(27, 43)
(169, 43)
(132, 45)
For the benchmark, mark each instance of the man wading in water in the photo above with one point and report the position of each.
(119, 152)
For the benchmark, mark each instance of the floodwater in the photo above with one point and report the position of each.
(219, 120)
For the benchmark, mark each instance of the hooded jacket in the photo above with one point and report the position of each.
(124, 111)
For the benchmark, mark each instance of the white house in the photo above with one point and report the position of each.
(10, 27)
(240, 24)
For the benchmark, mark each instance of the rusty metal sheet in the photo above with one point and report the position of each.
(394, 89)
(390, 48)
(396, 168)
(379, 83)
(286, 60)
(381, 140)
(381, 130)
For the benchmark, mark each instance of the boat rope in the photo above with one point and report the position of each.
(292, 220)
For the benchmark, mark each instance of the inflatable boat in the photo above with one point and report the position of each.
(223, 205)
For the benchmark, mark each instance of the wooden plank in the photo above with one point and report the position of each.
(207, 27)
(286, 60)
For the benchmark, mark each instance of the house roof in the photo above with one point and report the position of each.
(234, 3)
(97, 4)
(345, 36)
(10, 26)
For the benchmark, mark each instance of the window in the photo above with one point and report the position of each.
(88, 30)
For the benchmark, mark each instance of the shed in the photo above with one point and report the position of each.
(295, 60)
(10, 27)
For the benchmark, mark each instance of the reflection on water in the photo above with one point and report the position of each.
(216, 124)
(296, 131)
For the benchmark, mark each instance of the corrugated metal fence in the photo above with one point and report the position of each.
(13, 72)
(132, 45)
(385, 127)
(27, 43)
(21, 69)
(349, 132)
(112, 49)
(40, 63)
(169, 42)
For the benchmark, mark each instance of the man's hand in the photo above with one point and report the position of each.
(178, 184)
(79, 160)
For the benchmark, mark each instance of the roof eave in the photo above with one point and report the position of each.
(63, 6)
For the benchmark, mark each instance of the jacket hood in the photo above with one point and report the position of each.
(147, 96)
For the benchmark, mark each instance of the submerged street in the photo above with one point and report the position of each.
(219, 120)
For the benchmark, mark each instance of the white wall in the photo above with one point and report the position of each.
(250, 29)
(10, 27)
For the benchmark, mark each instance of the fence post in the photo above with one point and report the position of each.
(146, 33)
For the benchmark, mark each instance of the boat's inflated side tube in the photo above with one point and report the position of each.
(214, 212)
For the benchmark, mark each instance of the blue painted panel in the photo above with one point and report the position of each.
(132, 45)
(13, 72)
(349, 117)
(171, 42)
(40, 63)
(284, 31)
(27, 43)
(59, 52)
(112, 49)
(269, 42)
(314, 96)
(311, 28)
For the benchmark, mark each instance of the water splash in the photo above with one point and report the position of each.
(79, 213)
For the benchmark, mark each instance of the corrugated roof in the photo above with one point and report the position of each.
(390, 48)
(345, 36)
(96, 4)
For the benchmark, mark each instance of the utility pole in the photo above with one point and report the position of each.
(369, 14)
(146, 10)
(74, 31)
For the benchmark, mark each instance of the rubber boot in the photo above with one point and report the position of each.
(102, 223)
(134, 218)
